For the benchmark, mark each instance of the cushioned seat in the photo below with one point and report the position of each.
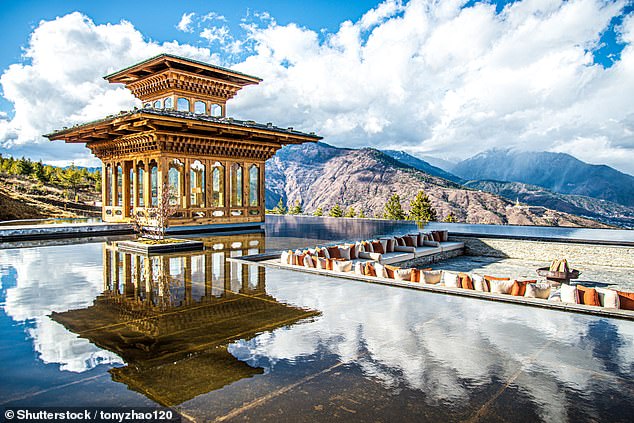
(426, 251)
(451, 246)
(395, 257)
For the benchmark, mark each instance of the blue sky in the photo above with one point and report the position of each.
(444, 78)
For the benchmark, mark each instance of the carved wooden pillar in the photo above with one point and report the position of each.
(135, 185)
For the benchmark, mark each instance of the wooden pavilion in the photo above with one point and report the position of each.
(212, 165)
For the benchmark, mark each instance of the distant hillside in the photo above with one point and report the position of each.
(422, 165)
(557, 172)
(602, 210)
(319, 175)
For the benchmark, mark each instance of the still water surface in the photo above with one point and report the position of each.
(89, 325)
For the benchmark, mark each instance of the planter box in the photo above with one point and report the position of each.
(174, 245)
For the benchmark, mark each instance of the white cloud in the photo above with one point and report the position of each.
(185, 24)
(434, 78)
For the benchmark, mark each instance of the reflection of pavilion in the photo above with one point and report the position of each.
(171, 317)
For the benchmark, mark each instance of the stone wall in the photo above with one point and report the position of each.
(546, 251)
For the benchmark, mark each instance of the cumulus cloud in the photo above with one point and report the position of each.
(447, 79)
(185, 23)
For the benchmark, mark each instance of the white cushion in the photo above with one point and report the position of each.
(285, 258)
(402, 249)
(308, 261)
(537, 290)
(342, 266)
(501, 287)
(450, 279)
(390, 243)
(608, 298)
(555, 295)
(403, 274)
(380, 270)
(431, 243)
(432, 276)
(358, 268)
(479, 284)
(569, 294)
(344, 252)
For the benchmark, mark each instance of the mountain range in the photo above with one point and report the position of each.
(557, 172)
(320, 175)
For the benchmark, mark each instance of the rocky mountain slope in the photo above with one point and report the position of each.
(422, 165)
(319, 175)
(602, 210)
(22, 198)
(557, 172)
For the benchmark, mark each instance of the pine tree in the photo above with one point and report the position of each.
(421, 209)
(318, 212)
(393, 208)
(351, 212)
(336, 211)
(280, 208)
(296, 209)
(449, 218)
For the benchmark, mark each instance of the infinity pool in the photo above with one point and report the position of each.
(88, 325)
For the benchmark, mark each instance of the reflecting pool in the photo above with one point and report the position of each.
(89, 325)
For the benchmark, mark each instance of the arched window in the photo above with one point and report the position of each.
(119, 179)
(158, 104)
(182, 105)
(197, 184)
(153, 184)
(175, 182)
(216, 110)
(140, 184)
(236, 185)
(199, 107)
(218, 185)
(108, 186)
(254, 186)
(169, 103)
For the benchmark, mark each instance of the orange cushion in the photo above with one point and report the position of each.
(588, 296)
(626, 300)
(334, 252)
(437, 236)
(400, 241)
(300, 259)
(465, 281)
(390, 270)
(415, 277)
(369, 269)
(409, 241)
(519, 288)
(329, 263)
(378, 247)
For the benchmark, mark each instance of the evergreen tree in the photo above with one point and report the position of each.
(393, 208)
(336, 211)
(449, 218)
(421, 209)
(38, 172)
(280, 208)
(296, 209)
(351, 212)
(361, 214)
(318, 212)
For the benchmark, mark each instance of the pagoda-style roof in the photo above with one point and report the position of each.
(166, 75)
(166, 61)
(152, 129)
